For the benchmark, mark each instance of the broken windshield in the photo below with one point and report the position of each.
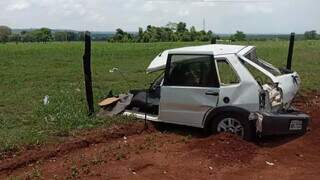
(252, 56)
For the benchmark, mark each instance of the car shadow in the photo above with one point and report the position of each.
(275, 140)
(180, 129)
(266, 141)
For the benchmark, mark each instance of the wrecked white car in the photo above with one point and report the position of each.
(221, 88)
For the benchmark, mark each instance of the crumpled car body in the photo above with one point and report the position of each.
(204, 83)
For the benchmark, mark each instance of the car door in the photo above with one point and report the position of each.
(190, 89)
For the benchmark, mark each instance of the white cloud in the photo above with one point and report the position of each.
(106, 15)
(183, 12)
(258, 8)
(204, 4)
(16, 6)
(148, 7)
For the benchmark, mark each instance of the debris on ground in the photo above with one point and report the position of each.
(114, 105)
(269, 163)
(46, 100)
(108, 101)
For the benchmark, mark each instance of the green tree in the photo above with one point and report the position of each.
(171, 32)
(23, 36)
(27, 36)
(174, 37)
(81, 36)
(210, 34)
(45, 35)
(182, 27)
(239, 36)
(140, 35)
(39, 35)
(72, 36)
(203, 36)
(146, 37)
(5, 32)
(193, 33)
(36, 36)
(232, 38)
(310, 35)
(15, 38)
(68, 36)
(186, 36)
(166, 34)
(172, 25)
(60, 36)
(121, 36)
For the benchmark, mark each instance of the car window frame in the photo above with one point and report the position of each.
(168, 66)
(263, 62)
(233, 69)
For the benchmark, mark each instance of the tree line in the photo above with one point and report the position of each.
(171, 32)
(38, 35)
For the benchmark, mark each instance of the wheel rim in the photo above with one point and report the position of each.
(231, 125)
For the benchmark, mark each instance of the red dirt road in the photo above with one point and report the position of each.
(121, 152)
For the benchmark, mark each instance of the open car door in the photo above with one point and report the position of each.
(190, 89)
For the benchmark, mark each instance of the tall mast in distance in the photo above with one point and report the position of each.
(204, 24)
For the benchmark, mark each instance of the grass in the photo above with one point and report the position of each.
(29, 72)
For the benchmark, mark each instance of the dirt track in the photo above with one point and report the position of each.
(122, 152)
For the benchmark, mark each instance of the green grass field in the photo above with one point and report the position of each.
(28, 72)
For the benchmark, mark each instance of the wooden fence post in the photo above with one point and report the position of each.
(290, 52)
(213, 40)
(87, 73)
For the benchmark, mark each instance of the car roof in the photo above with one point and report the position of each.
(215, 48)
(160, 61)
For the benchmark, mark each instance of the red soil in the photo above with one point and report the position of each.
(127, 152)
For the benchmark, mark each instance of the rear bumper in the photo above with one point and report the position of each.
(282, 123)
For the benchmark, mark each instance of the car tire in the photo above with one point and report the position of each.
(222, 123)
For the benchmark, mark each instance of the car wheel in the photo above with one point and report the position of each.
(234, 124)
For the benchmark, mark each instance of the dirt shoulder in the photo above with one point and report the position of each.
(130, 152)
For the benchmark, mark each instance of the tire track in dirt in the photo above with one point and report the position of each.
(82, 141)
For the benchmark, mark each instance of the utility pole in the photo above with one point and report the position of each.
(204, 24)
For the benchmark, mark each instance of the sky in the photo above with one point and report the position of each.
(221, 16)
